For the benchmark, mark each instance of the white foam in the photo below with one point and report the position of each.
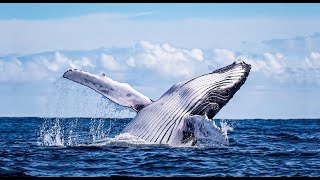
(51, 135)
(207, 129)
(120, 140)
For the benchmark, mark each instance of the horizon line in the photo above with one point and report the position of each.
(133, 117)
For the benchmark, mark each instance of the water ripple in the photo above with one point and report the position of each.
(257, 148)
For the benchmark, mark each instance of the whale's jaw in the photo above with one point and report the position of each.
(218, 96)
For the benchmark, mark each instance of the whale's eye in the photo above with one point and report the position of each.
(216, 106)
(128, 95)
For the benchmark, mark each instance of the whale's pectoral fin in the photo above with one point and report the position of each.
(120, 93)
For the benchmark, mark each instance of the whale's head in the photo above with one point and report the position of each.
(224, 83)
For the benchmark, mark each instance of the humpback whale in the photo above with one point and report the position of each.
(179, 116)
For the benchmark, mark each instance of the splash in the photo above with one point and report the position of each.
(51, 133)
(97, 130)
(123, 139)
(226, 126)
(206, 130)
(66, 97)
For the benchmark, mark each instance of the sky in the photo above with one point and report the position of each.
(153, 46)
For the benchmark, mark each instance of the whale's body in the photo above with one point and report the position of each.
(176, 116)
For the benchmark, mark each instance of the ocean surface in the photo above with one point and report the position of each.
(89, 147)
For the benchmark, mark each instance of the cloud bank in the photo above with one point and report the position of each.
(161, 61)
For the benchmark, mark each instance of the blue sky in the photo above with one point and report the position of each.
(141, 44)
(160, 10)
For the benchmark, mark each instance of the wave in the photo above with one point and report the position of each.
(119, 140)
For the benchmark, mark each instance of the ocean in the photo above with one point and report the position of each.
(87, 147)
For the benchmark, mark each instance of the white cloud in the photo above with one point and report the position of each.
(16, 71)
(110, 63)
(315, 56)
(35, 71)
(257, 65)
(224, 56)
(297, 45)
(163, 60)
(61, 62)
(276, 67)
(55, 64)
(197, 54)
(268, 63)
(78, 64)
(39, 67)
(167, 60)
(12, 69)
(312, 61)
(131, 62)
(275, 63)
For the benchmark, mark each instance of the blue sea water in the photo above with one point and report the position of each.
(86, 147)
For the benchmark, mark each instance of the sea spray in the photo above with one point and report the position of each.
(98, 130)
(70, 98)
(51, 133)
(73, 136)
(122, 139)
(225, 126)
(206, 131)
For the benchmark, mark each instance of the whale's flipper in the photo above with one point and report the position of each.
(120, 93)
